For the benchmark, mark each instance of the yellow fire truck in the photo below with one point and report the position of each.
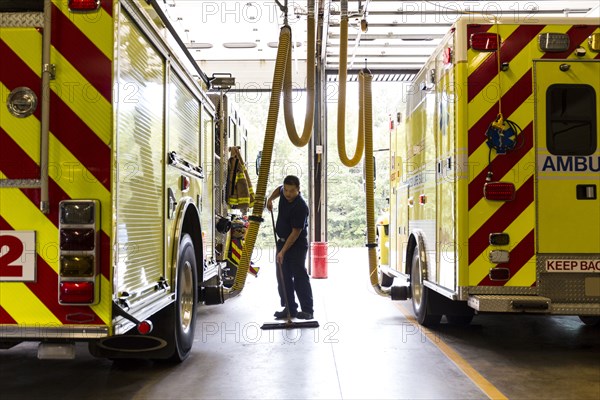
(494, 201)
(106, 141)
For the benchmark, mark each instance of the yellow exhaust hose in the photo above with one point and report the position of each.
(341, 111)
(365, 80)
(363, 142)
(288, 113)
(282, 80)
(265, 165)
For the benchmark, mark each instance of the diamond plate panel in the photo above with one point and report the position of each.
(501, 290)
(13, 20)
(575, 309)
(564, 287)
(499, 303)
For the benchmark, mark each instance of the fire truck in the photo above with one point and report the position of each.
(107, 186)
(494, 182)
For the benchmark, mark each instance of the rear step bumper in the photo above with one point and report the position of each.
(530, 304)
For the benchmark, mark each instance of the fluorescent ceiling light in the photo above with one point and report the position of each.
(274, 45)
(195, 45)
(239, 45)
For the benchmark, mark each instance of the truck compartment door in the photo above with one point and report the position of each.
(567, 98)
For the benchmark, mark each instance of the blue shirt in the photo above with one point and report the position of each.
(292, 215)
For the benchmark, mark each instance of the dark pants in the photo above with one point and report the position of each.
(292, 276)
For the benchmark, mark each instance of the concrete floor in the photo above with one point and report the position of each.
(367, 347)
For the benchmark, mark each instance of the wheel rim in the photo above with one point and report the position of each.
(416, 280)
(186, 304)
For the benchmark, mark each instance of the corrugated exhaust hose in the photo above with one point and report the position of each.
(288, 112)
(265, 165)
(363, 142)
(341, 111)
(365, 79)
(282, 77)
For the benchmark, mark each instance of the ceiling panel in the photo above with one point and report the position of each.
(240, 37)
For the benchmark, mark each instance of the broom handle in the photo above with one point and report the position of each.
(274, 231)
(280, 270)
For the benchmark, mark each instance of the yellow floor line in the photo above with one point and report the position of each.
(486, 386)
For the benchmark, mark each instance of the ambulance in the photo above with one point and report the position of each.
(107, 150)
(494, 203)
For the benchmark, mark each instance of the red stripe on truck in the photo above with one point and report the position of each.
(509, 49)
(82, 53)
(65, 125)
(500, 220)
(519, 256)
(502, 164)
(514, 98)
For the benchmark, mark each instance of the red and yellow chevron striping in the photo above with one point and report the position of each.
(510, 48)
(82, 53)
(491, 92)
(79, 149)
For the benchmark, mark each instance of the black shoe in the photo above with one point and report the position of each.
(304, 315)
(283, 314)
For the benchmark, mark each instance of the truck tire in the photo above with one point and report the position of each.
(186, 300)
(422, 297)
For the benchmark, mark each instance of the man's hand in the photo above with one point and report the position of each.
(279, 258)
(273, 196)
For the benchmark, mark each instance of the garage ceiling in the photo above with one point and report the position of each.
(240, 37)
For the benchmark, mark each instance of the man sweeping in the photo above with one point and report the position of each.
(292, 246)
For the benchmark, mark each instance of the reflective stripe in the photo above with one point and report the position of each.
(101, 22)
(30, 216)
(504, 168)
(480, 267)
(520, 255)
(235, 252)
(70, 86)
(13, 297)
(67, 171)
(69, 128)
(514, 39)
(83, 54)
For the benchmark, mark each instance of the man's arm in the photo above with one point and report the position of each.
(272, 197)
(289, 242)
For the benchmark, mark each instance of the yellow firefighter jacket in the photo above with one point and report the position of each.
(239, 187)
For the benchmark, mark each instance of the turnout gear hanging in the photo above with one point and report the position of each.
(239, 192)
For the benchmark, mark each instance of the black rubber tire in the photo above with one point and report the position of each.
(422, 297)
(186, 300)
(590, 320)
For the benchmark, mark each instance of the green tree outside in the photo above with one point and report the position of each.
(346, 209)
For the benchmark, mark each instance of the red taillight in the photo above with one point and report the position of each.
(484, 41)
(84, 5)
(77, 239)
(144, 327)
(76, 293)
(78, 229)
(503, 191)
(185, 183)
(447, 55)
